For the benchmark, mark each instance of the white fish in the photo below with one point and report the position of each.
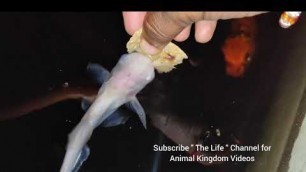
(131, 74)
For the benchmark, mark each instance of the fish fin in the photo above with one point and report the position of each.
(98, 73)
(81, 158)
(116, 118)
(85, 104)
(136, 107)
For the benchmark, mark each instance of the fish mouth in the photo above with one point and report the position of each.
(235, 70)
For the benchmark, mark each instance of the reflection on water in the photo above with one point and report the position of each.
(46, 54)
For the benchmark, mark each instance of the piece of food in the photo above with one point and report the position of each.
(164, 61)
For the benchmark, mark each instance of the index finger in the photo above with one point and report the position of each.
(133, 21)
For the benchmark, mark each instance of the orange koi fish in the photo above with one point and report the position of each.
(239, 47)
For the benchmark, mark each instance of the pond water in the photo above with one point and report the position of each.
(43, 52)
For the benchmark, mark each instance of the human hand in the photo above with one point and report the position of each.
(159, 28)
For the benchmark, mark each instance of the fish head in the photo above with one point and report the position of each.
(132, 73)
(237, 52)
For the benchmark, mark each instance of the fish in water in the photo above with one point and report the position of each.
(238, 48)
(131, 74)
(100, 75)
(159, 105)
(181, 131)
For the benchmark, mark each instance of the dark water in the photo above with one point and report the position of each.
(42, 51)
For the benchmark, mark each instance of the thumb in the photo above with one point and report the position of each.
(159, 28)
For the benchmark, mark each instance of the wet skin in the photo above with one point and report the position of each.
(131, 74)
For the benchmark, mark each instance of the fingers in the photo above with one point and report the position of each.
(133, 21)
(229, 15)
(183, 35)
(159, 28)
(204, 30)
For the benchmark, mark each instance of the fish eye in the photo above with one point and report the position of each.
(150, 76)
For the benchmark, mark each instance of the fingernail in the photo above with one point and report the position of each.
(148, 48)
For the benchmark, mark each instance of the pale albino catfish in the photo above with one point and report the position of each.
(131, 74)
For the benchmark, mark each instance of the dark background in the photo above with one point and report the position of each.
(39, 51)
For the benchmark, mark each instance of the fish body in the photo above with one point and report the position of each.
(131, 74)
(238, 48)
